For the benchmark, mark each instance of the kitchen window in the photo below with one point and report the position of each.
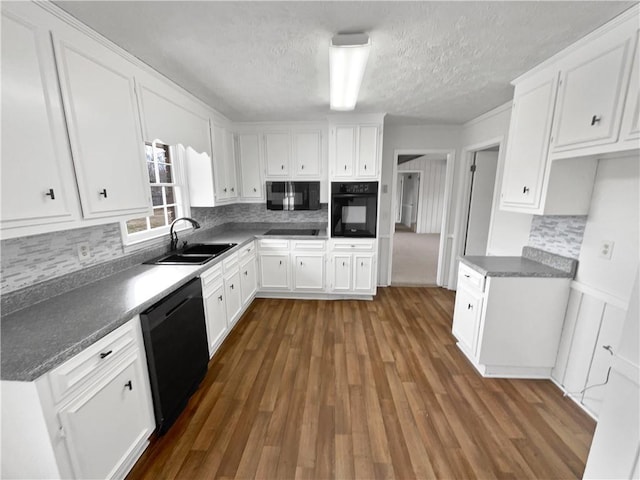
(166, 179)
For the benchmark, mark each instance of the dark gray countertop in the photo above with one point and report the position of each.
(40, 337)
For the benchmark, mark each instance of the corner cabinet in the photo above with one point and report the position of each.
(100, 104)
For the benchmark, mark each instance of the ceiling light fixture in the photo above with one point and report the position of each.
(348, 56)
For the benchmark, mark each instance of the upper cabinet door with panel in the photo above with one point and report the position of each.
(37, 171)
(591, 95)
(344, 154)
(224, 163)
(104, 128)
(631, 116)
(528, 142)
(368, 151)
(307, 153)
(249, 161)
(277, 149)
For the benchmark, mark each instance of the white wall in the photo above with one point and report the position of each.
(602, 289)
(406, 137)
(433, 173)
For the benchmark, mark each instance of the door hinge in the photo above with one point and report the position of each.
(473, 168)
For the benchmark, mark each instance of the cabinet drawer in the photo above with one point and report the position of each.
(308, 245)
(230, 263)
(353, 245)
(470, 278)
(273, 244)
(211, 276)
(100, 355)
(247, 251)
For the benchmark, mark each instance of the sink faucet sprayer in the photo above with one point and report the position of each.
(174, 235)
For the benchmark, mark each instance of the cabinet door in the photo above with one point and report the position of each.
(307, 154)
(363, 273)
(308, 271)
(249, 161)
(344, 154)
(341, 273)
(274, 271)
(200, 178)
(37, 172)
(591, 97)
(230, 164)
(528, 144)
(104, 128)
(631, 115)
(223, 190)
(277, 153)
(108, 421)
(466, 318)
(216, 313)
(368, 151)
(234, 298)
(248, 280)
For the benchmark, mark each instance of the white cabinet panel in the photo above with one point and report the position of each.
(234, 297)
(345, 152)
(368, 151)
(200, 179)
(248, 279)
(277, 153)
(37, 172)
(363, 273)
(341, 272)
(224, 163)
(466, 317)
(307, 153)
(249, 161)
(102, 116)
(107, 422)
(216, 313)
(274, 271)
(308, 271)
(591, 96)
(528, 143)
(631, 116)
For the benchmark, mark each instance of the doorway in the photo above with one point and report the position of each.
(419, 206)
(484, 165)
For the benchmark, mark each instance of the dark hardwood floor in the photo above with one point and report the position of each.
(356, 389)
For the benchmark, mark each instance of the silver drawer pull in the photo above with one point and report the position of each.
(220, 298)
(469, 307)
(106, 354)
(129, 385)
(468, 276)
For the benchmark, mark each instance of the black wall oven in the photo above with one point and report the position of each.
(354, 209)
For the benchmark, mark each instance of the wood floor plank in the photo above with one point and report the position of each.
(316, 389)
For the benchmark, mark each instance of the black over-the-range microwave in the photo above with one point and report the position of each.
(293, 195)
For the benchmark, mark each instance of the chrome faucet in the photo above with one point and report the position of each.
(174, 235)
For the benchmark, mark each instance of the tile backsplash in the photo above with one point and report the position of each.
(27, 261)
(559, 234)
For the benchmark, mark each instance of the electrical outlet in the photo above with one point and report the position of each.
(606, 249)
(84, 253)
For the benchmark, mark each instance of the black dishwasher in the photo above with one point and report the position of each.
(175, 339)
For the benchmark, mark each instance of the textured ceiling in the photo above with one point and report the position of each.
(430, 62)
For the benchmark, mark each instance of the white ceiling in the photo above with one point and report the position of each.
(430, 63)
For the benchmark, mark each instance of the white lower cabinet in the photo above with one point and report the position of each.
(215, 309)
(274, 270)
(509, 326)
(308, 271)
(341, 272)
(90, 417)
(353, 266)
(234, 296)
(248, 279)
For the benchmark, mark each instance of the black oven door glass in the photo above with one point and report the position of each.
(353, 215)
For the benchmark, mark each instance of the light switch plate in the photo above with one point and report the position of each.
(84, 253)
(606, 249)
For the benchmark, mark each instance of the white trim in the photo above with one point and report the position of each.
(573, 399)
(491, 113)
(420, 190)
(605, 297)
(448, 193)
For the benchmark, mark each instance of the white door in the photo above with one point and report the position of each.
(277, 148)
(274, 271)
(104, 128)
(341, 273)
(344, 156)
(215, 310)
(248, 279)
(249, 162)
(37, 172)
(480, 202)
(363, 273)
(106, 422)
(307, 153)
(308, 271)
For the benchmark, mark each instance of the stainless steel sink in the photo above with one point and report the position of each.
(194, 254)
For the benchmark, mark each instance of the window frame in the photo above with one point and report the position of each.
(178, 156)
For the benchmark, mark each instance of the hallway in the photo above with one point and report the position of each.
(415, 258)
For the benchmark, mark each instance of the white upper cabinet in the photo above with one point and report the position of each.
(37, 171)
(200, 179)
(631, 117)
(355, 150)
(528, 143)
(277, 151)
(171, 118)
(104, 129)
(307, 153)
(249, 162)
(593, 85)
(224, 163)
